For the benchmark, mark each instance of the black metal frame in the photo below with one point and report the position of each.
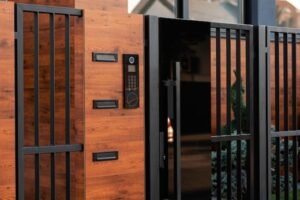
(36, 150)
(152, 108)
(247, 32)
(282, 38)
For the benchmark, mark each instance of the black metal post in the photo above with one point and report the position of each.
(260, 12)
(152, 104)
(228, 111)
(218, 113)
(262, 137)
(19, 82)
(182, 9)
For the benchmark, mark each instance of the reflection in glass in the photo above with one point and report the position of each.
(287, 12)
(215, 10)
(162, 8)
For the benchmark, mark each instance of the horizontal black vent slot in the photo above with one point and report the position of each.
(105, 104)
(105, 156)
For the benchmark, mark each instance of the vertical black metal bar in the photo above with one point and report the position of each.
(263, 108)
(286, 113)
(228, 110)
(19, 80)
(250, 111)
(182, 9)
(36, 103)
(68, 105)
(294, 99)
(218, 113)
(250, 114)
(277, 114)
(178, 135)
(52, 101)
(238, 112)
(268, 120)
(153, 107)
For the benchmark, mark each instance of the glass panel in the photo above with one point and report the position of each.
(187, 43)
(162, 8)
(287, 13)
(227, 11)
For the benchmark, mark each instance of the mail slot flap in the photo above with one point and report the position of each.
(105, 156)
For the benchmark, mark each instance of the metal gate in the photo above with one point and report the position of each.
(279, 118)
(233, 114)
(39, 133)
(234, 134)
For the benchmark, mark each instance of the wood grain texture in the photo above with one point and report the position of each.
(7, 102)
(115, 6)
(118, 129)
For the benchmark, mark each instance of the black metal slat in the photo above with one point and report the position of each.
(277, 114)
(20, 103)
(50, 9)
(53, 149)
(177, 141)
(228, 110)
(36, 103)
(286, 113)
(52, 101)
(67, 104)
(283, 29)
(227, 138)
(218, 109)
(249, 114)
(238, 112)
(245, 27)
(294, 114)
(285, 133)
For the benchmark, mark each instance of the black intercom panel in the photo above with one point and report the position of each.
(131, 80)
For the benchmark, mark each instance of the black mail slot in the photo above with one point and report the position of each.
(105, 156)
(104, 57)
(105, 104)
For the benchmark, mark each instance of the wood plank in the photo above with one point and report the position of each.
(119, 129)
(7, 102)
(115, 6)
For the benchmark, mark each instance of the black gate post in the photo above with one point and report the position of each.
(19, 82)
(263, 115)
(152, 103)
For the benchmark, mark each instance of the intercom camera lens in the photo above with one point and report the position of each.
(131, 60)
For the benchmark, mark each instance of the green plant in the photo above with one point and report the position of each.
(281, 163)
(232, 130)
(234, 169)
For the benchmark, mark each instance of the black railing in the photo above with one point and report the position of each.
(282, 110)
(53, 148)
(238, 129)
